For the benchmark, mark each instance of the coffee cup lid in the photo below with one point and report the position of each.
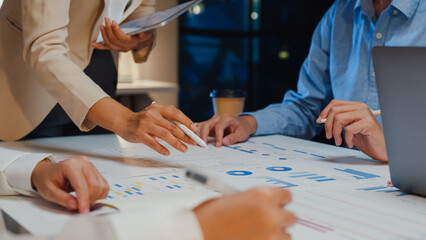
(227, 93)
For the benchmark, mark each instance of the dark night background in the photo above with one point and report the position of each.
(254, 45)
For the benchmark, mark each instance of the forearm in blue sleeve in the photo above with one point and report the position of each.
(296, 115)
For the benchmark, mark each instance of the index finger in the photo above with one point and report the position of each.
(172, 113)
(282, 196)
(78, 182)
(204, 128)
(326, 110)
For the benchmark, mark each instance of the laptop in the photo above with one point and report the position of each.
(401, 84)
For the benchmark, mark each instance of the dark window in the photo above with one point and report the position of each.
(255, 45)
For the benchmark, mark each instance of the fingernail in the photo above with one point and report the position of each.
(226, 141)
(319, 119)
(183, 148)
(86, 211)
(71, 204)
(217, 144)
(167, 153)
(194, 127)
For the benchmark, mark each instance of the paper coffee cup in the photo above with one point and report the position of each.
(228, 101)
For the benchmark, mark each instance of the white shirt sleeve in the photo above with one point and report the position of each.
(16, 168)
(150, 222)
(154, 225)
(157, 223)
(81, 228)
(161, 219)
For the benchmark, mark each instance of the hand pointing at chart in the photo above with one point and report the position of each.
(146, 126)
(361, 127)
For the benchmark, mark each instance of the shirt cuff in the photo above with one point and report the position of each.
(261, 122)
(19, 173)
(82, 123)
(161, 217)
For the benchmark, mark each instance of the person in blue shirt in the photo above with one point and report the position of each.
(339, 66)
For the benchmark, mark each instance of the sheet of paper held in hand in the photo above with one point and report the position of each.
(155, 20)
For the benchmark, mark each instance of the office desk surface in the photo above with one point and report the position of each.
(338, 193)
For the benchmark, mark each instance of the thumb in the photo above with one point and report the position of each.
(232, 138)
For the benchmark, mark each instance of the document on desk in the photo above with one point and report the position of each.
(338, 193)
(354, 212)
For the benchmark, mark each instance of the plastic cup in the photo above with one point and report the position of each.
(228, 101)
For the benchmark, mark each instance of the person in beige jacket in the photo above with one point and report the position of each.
(55, 80)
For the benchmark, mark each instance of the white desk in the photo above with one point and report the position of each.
(337, 193)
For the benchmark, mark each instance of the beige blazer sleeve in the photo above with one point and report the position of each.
(45, 46)
(46, 54)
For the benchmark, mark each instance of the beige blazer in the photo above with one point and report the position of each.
(44, 47)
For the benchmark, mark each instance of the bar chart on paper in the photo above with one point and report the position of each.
(275, 151)
(278, 176)
(149, 185)
(384, 189)
(358, 174)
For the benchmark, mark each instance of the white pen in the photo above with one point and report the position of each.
(191, 134)
(209, 181)
(375, 113)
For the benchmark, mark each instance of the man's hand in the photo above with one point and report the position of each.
(116, 39)
(361, 127)
(54, 181)
(227, 129)
(252, 215)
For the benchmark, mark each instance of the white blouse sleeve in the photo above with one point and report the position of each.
(154, 221)
(154, 225)
(163, 217)
(16, 168)
(157, 223)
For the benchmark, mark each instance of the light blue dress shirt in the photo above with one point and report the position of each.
(339, 64)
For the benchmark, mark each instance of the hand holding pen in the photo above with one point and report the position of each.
(255, 214)
(360, 124)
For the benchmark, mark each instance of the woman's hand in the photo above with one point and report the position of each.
(144, 127)
(54, 181)
(116, 39)
(361, 127)
(254, 214)
(153, 122)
